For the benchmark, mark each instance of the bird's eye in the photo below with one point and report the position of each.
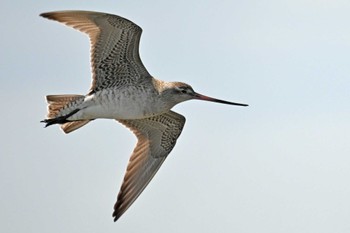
(184, 91)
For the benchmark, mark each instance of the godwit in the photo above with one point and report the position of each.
(122, 89)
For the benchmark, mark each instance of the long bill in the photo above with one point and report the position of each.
(207, 98)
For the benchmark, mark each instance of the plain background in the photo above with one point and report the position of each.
(279, 165)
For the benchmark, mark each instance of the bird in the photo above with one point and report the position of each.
(123, 90)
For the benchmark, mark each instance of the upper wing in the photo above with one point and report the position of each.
(156, 138)
(115, 58)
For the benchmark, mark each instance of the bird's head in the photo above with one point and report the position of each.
(178, 92)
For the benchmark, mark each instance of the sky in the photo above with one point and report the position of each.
(279, 165)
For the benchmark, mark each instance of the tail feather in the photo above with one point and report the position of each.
(71, 126)
(56, 104)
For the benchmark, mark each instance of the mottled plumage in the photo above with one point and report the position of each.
(122, 89)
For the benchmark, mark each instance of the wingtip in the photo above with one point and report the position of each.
(50, 15)
(45, 15)
(118, 212)
(115, 216)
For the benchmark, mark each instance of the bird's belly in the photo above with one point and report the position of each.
(119, 105)
(115, 110)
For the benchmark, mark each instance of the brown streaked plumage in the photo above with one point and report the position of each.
(122, 89)
(156, 138)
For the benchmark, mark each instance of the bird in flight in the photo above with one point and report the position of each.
(123, 90)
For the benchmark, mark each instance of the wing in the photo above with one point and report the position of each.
(115, 58)
(156, 138)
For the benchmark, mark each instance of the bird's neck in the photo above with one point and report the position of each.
(161, 85)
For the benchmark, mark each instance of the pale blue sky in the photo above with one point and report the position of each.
(280, 165)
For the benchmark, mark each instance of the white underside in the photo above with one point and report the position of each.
(112, 105)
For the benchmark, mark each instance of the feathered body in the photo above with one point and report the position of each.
(128, 102)
(122, 89)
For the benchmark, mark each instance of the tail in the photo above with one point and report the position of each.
(57, 103)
